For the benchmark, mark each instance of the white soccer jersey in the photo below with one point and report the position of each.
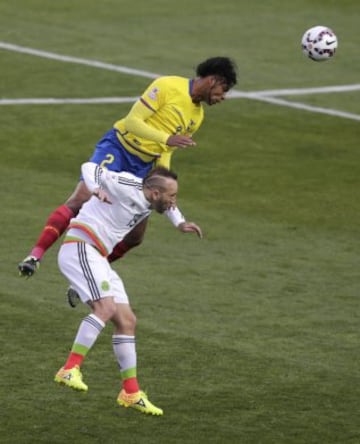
(103, 224)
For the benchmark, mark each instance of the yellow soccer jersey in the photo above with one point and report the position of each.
(164, 109)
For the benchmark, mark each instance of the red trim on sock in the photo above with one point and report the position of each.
(67, 212)
(55, 226)
(73, 360)
(131, 385)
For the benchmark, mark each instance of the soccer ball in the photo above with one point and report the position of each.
(319, 43)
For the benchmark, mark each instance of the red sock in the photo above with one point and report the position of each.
(74, 359)
(131, 385)
(55, 226)
(119, 250)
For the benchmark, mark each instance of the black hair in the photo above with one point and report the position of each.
(222, 67)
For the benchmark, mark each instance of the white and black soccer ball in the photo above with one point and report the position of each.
(319, 43)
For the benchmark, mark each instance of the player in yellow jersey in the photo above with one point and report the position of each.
(163, 119)
(166, 108)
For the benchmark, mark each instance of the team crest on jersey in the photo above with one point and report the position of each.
(105, 286)
(152, 94)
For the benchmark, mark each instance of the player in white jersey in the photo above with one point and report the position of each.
(129, 207)
(120, 202)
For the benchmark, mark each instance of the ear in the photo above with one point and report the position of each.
(155, 194)
(212, 81)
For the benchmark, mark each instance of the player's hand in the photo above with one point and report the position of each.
(180, 141)
(102, 195)
(190, 227)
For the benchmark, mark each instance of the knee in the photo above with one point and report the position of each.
(105, 309)
(129, 322)
(80, 195)
(74, 205)
(125, 323)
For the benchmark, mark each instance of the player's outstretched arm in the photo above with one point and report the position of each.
(179, 221)
(190, 227)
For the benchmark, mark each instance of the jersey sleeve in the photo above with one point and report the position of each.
(175, 215)
(151, 100)
(93, 175)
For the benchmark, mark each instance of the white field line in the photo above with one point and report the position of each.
(305, 107)
(266, 96)
(301, 91)
(77, 60)
(53, 101)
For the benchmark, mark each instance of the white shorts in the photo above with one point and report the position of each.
(90, 273)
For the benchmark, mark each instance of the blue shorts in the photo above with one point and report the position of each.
(111, 154)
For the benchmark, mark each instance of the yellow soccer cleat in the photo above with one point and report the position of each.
(71, 377)
(138, 401)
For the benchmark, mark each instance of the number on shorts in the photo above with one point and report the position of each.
(109, 158)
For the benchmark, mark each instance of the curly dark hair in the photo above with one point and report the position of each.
(222, 67)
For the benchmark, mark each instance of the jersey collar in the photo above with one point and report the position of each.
(191, 85)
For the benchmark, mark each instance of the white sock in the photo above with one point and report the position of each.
(89, 330)
(125, 351)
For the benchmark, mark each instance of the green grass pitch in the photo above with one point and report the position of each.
(250, 335)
